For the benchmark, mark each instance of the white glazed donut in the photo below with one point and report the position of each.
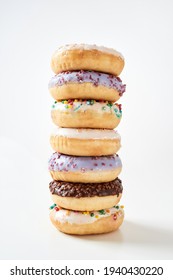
(86, 197)
(85, 142)
(86, 114)
(87, 57)
(86, 85)
(84, 169)
(81, 223)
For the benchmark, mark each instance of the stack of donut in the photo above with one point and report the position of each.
(85, 166)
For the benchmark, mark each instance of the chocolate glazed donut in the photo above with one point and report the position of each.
(86, 197)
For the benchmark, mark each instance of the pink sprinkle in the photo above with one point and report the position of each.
(103, 163)
(61, 163)
(74, 165)
(95, 164)
(110, 164)
(65, 170)
(82, 169)
(114, 217)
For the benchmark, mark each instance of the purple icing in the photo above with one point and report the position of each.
(60, 162)
(96, 78)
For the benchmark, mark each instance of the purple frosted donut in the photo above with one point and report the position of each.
(84, 169)
(86, 85)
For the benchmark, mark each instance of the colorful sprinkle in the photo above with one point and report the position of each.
(110, 104)
(52, 206)
(77, 108)
(101, 212)
(114, 217)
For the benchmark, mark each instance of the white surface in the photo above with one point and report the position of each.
(30, 32)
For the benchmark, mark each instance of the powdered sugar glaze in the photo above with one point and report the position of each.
(89, 47)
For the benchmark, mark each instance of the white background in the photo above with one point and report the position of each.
(30, 31)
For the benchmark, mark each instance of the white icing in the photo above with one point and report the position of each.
(86, 133)
(83, 106)
(72, 217)
(89, 47)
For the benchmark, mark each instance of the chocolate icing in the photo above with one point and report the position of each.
(66, 189)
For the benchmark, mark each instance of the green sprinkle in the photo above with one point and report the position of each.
(55, 102)
(101, 212)
(53, 106)
(77, 107)
(103, 108)
(88, 102)
(51, 207)
(92, 214)
(66, 106)
(92, 102)
(118, 115)
(117, 207)
(109, 104)
(115, 110)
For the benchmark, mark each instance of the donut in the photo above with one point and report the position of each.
(86, 114)
(87, 222)
(85, 141)
(84, 169)
(87, 57)
(86, 197)
(86, 85)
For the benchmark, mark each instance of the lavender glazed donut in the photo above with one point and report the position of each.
(86, 85)
(85, 142)
(86, 197)
(87, 57)
(86, 114)
(81, 223)
(84, 169)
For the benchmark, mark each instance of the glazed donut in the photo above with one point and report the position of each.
(84, 169)
(86, 197)
(86, 85)
(81, 223)
(85, 142)
(87, 57)
(86, 114)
